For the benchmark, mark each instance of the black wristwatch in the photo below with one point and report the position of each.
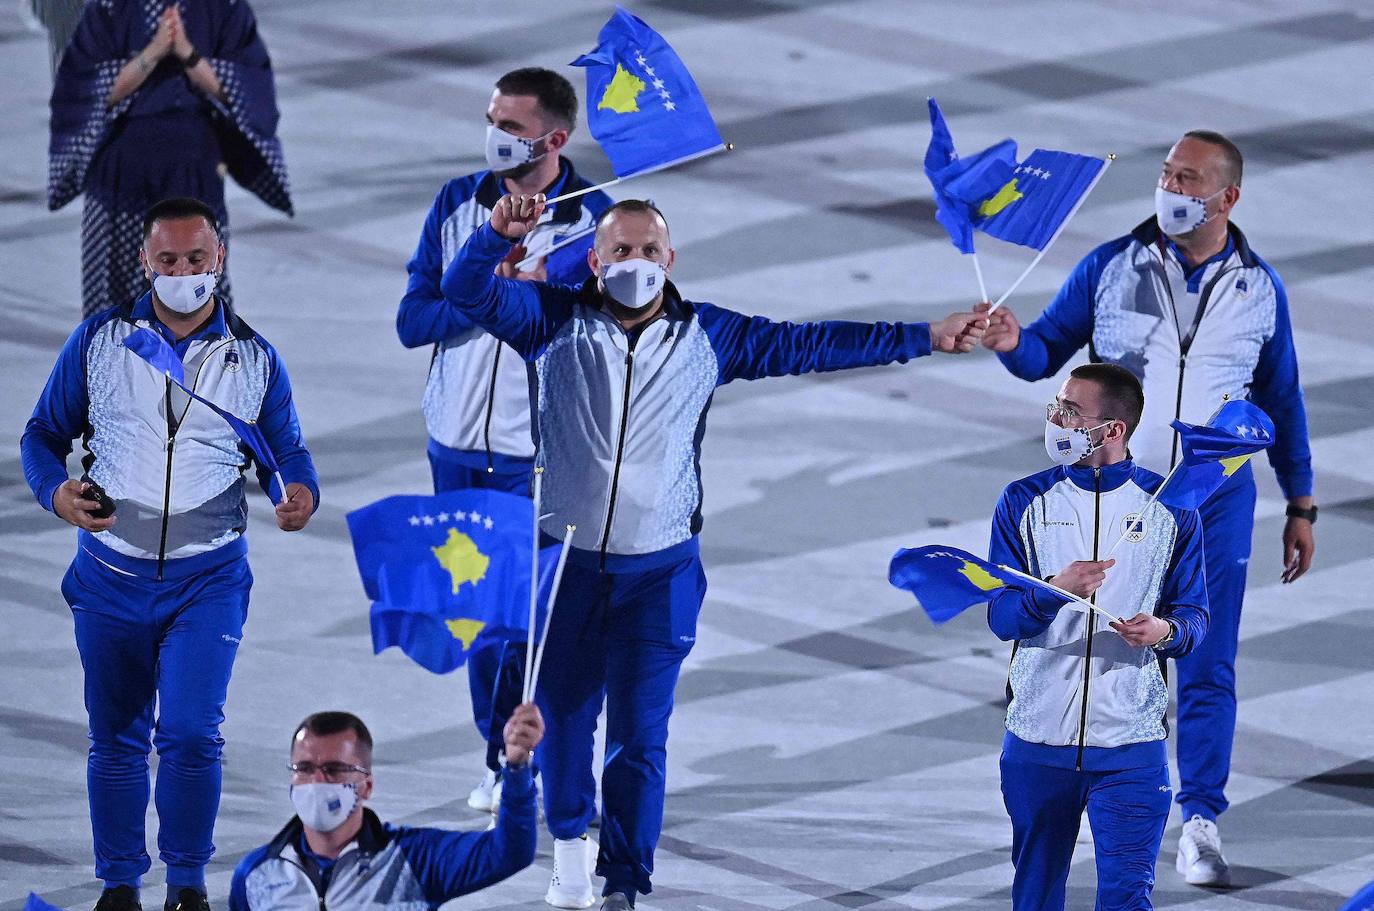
(1297, 512)
(191, 59)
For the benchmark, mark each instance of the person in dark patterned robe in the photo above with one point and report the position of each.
(155, 99)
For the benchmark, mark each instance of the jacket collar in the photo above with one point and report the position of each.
(1104, 479)
(1147, 233)
(490, 189)
(674, 307)
(372, 837)
(217, 325)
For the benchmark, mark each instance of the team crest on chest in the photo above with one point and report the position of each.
(231, 361)
(1133, 527)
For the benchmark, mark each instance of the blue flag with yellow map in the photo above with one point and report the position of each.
(947, 581)
(448, 573)
(962, 184)
(643, 106)
(1038, 198)
(1214, 451)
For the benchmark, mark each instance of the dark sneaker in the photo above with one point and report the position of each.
(120, 898)
(188, 900)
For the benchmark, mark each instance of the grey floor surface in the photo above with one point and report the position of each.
(830, 748)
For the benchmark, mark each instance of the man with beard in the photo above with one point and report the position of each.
(477, 402)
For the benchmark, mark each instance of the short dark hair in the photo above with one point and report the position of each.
(179, 207)
(556, 96)
(1122, 397)
(323, 724)
(1235, 162)
(641, 206)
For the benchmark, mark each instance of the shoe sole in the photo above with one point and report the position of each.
(1222, 881)
(570, 904)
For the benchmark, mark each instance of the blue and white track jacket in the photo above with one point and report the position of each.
(1080, 696)
(173, 467)
(477, 398)
(391, 868)
(620, 416)
(1131, 301)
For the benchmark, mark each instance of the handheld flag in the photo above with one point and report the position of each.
(447, 573)
(34, 903)
(1214, 451)
(947, 581)
(1042, 193)
(154, 349)
(643, 106)
(961, 184)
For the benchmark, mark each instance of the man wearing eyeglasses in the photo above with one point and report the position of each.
(337, 854)
(1185, 304)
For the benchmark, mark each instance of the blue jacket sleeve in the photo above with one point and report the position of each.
(424, 317)
(1184, 600)
(1067, 323)
(450, 864)
(1015, 613)
(1277, 391)
(60, 416)
(749, 348)
(282, 430)
(523, 314)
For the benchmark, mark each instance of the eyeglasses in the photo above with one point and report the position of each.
(333, 771)
(1067, 413)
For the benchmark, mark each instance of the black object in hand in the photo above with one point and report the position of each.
(94, 491)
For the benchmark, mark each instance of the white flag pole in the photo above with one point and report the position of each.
(1067, 594)
(281, 485)
(723, 147)
(534, 584)
(548, 614)
(982, 287)
(1111, 157)
(1154, 498)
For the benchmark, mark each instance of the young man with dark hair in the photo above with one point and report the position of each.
(1186, 304)
(160, 583)
(477, 398)
(337, 854)
(1086, 722)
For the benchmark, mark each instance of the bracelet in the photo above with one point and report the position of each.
(1169, 637)
(191, 59)
(1297, 512)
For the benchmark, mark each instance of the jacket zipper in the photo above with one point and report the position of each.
(491, 406)
(1092, 624)
(167, 481)
(308, 878)
(619, 449)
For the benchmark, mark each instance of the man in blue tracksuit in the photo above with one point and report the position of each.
(336, 854)
(1086, 721)
(1185, 304)
(624, 370)
(159, 589)
(477, 399)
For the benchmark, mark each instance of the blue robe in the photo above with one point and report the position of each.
(165, 139)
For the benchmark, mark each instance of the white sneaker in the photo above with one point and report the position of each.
(481, 797)
(1199, 854)
(571, 885)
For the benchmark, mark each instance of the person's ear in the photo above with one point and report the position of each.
(672, 258)
(143, 261)
(556, 140)
(222, 253)
(365, 788)
(1229, 197)
(593, 261)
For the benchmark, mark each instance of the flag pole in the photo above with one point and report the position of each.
(723, 147)
(548, 614)
(1154, 498)
(1067, 594)
(982, 287)
(281, 485)
(534, 584)
(1111, 157)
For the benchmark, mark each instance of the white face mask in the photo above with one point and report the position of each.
(323, 806)
(1066, 445)
(633, 283)
(506, 151)
(1178, 214)
(184, 293)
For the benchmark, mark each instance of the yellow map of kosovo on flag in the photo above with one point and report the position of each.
(622, 93)
(1001, 199)
(461, 559)
(465, 630)
(980, 577)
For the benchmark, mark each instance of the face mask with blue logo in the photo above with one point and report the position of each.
(633, 283)
(507, 152)
(1066, 445)
(323, 805)
(184, 293)
(1178, 214)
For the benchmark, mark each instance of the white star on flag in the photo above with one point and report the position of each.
(487, 523)
(414, 520)
(443, 517)
(648, 69)
(658, 83)
(475, 516)
(669, 106)
(428, 520)
(1045, 174)
(639, 58)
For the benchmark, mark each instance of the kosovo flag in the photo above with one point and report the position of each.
(35, 903)
(1041, 194)
(1214, 451)
(153, 348)
(961, 185)
(448, 573)
(947, 581)
(643, 106)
